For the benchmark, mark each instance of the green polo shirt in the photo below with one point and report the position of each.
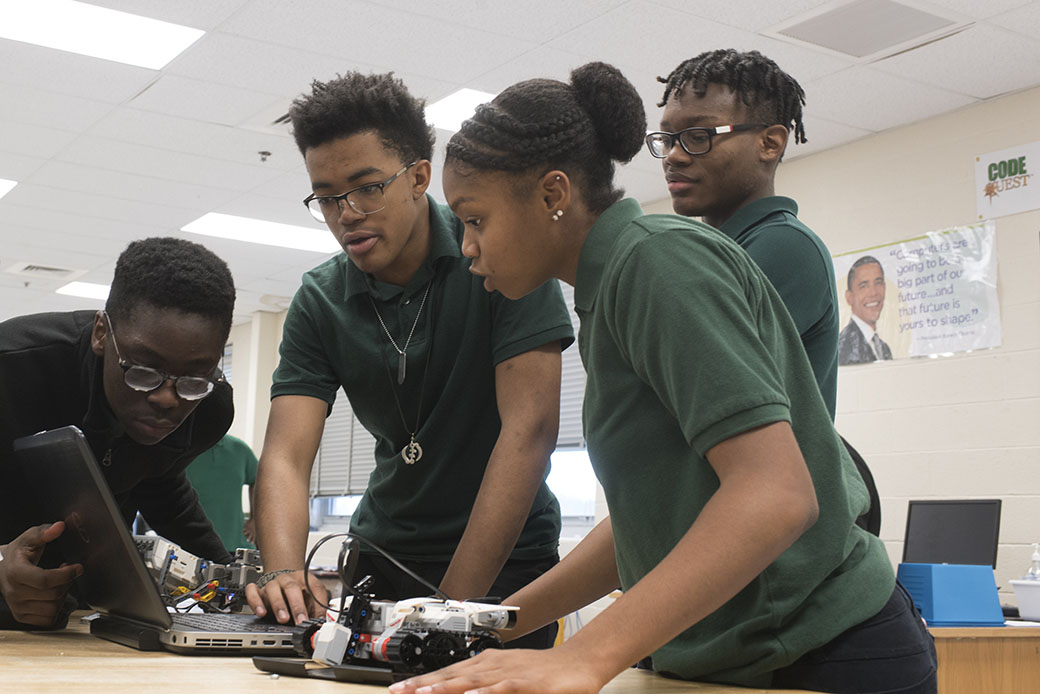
(686, 344)
(799, 265)
(332, 338)
(218, 476)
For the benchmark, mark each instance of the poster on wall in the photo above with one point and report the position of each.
(1005, 181)
(933, 294)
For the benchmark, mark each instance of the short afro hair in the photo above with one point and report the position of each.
(355, 103)
(171, 273)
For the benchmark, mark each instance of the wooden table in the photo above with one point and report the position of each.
(988, 660)
(74, 661)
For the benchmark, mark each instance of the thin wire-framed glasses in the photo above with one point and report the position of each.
(145, 379)
(692, 140)
(366, 199)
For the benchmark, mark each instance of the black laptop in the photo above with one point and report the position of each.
(115, 580)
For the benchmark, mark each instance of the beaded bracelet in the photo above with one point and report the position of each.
(268, 577)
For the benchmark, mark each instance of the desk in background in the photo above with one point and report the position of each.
(988, 660)
(74, 661)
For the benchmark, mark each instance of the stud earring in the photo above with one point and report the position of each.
(556, 215)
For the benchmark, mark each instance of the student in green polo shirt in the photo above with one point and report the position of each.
(732, 500)
(459, 387)
(727, 120)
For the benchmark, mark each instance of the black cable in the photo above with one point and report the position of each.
(310, 555)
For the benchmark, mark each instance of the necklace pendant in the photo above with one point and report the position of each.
(402, 358)
(412, 452)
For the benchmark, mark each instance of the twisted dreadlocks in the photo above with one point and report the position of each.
(771, 95)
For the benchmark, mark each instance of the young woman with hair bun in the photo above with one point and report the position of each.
(732, 499)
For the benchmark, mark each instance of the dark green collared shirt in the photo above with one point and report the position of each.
(799, 265)
(332, 338)
(686, 344)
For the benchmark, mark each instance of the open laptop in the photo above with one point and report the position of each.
(115, 581)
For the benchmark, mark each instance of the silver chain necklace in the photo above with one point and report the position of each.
(412, 451)
(401, 352)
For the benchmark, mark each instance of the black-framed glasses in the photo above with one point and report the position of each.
(145, 379)
(366, 199)
(692, 140)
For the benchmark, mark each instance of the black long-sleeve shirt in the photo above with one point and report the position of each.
(49, 378)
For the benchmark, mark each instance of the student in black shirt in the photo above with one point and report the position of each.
(141, 379)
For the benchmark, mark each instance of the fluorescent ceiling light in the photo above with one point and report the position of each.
(6, 186)
(449, 112)
(226, 226)
(87, 290)
(95, 31)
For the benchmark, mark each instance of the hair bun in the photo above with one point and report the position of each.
(614, 107)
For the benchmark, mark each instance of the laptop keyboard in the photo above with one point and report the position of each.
(227, 622)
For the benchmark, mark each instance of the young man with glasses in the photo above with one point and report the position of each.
(147, 402)
(459, 386)
(726, 122)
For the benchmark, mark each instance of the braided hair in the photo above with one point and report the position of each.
(171, 273)
(542, 124)
(355, 103)
(770, 94)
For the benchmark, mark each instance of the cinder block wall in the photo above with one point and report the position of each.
(966, 426)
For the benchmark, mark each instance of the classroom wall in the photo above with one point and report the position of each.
(254, 356)
(964, 426)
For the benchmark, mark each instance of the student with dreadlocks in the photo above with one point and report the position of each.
(726, 123)
(459, 387)
(732, 501)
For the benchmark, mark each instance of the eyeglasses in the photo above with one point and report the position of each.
(692, 140)
(367, 199)
(146, 379)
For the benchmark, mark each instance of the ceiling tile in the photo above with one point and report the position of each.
(283, 210)
(25, 214)
(982, 61)
(49, 69)
(124, 186)
(198, 14)
(102, 205)
(17, 167)
(97, 167)
(631, 35)
(204, 101)
(538, 20)
(32, 140)
(377, 35)
(257, 65)
(166, 164)
(867, 99)
(1025, 20)
(60, 111)
(198, 138)
(753, 16)
(549, 63)
(980, 10)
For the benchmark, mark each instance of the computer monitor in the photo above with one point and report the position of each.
(952, 531)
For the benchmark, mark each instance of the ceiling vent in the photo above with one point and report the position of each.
(40, 271)
(273, 120)
(869, 30)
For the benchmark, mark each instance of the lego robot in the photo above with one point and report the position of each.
(362, 639)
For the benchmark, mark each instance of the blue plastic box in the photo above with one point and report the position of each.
(953, 595)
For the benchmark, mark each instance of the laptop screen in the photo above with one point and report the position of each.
(61, 465)
(954, 531)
